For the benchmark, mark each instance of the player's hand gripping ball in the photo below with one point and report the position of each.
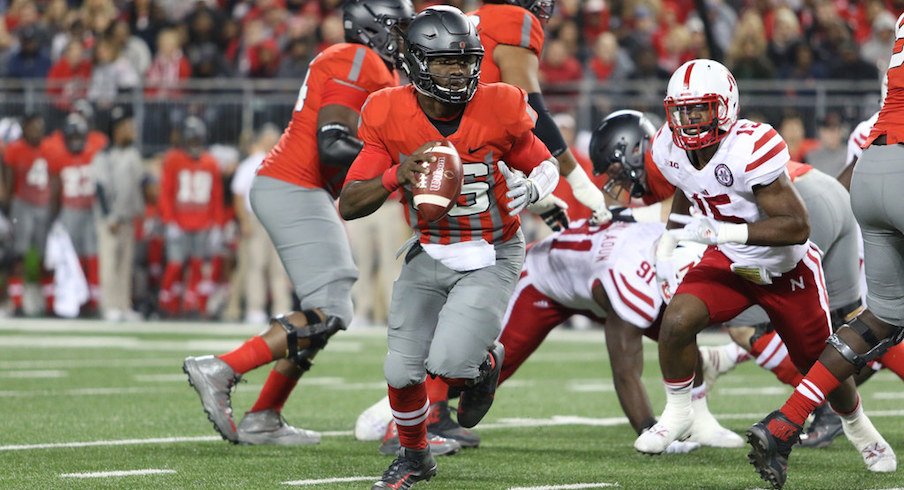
(436, 192)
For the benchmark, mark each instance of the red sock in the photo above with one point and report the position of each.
(216, 269)
(47, 290)
(170, 288)
(437, 390)
(89, 266)
(192, 301)
(275, 392)
(409, 409)
(252, 354)
(15, 288)
(893, 359)
(810, 393)
(770, 353)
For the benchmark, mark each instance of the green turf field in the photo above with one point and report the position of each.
(557, 424)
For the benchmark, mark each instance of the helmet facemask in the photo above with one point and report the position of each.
(543, 9)
(448, 77)
(695, 121)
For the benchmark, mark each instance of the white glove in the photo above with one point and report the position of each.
(601, 216)
(173, 232)
(705, 230)
(682, 447)
(665, 247)
(522, 191)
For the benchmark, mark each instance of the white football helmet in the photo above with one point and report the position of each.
(701, 103)
(683, 259)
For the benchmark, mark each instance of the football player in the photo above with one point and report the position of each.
(27, 178)
(733, 174)
(293, 197)
(874, 187)
(191, 204)
(69, 157)
(448, 303)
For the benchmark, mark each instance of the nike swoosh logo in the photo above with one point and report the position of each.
(474, 150)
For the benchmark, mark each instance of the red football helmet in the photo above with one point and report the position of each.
(701, 104)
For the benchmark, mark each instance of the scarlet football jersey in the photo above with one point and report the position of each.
(891, 116)
(510, 25)
(74, 170)
(32, 171)
(496, 125)
(191, 191)
(343, 74)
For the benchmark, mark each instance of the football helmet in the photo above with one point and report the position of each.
(373, 22)
(701, 103)
(194, 136)
(618, 147)
(75, 133)
(543, 9)
(442, 32)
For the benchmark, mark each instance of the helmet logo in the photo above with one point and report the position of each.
(723, 175)
(461, 45)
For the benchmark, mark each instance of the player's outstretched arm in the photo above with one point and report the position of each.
(787, 222)
(624, 342)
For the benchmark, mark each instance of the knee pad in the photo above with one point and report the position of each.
(303, 343)
(877, 347)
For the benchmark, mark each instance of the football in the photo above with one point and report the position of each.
(436, 192)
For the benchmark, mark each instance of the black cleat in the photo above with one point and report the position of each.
(771, 440)
(826, 426)
(410, 467)
(439, 422)
(477, 399)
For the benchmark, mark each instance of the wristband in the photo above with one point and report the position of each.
(732, 233)
(390, 179)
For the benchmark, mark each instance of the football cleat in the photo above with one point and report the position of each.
(371, 424)
(439, 422)
(771, 440)
(410, 467)
(657, 438)
(824, 428)
(268, 427)
(477, 399)
(877, 454)
(213, 379)
(707, 431)
(716, 362)
(439, 446)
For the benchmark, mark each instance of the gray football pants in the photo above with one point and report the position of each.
(876, 190)
(443, 321)
(79, 224)
(834, 230)
(311, 242)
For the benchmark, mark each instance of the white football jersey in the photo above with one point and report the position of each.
(751, 154)
(566, 265)
(858, 138)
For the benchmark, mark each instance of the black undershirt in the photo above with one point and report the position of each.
(446, 128)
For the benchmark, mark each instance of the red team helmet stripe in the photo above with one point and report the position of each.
(628, 302)
(687, 75)
(768, 156)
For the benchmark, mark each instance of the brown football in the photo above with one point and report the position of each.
(436, 192)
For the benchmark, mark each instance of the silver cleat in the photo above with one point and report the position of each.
(213, 379)
(269, 427)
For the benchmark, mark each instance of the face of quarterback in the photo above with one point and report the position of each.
(451, 72)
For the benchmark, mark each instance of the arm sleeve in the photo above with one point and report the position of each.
(769, 158)
(343, 93)
(633, 299)
(545, 127)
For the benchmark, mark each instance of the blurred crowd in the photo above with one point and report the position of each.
(93, 51)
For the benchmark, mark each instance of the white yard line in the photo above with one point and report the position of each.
(34, 374)
(110, 474)
(509, 423)
(326, 481)
(886, 395)
(573, 486)
(139, 344)
(119, 442)
(767, 390)
(103, 391)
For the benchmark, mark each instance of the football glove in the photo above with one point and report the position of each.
(705, 230)
(552, 210)
(522, 190)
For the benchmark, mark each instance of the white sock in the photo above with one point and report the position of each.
(678, 396)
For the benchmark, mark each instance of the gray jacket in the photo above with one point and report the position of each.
(118, 173)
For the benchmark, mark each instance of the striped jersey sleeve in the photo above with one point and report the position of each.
(632, 297)
(768, 158)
